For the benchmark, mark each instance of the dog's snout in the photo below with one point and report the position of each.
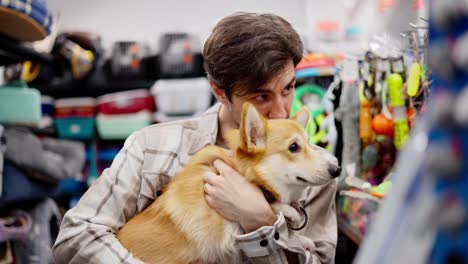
(334, 170)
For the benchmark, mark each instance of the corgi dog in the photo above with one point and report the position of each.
(180, 227)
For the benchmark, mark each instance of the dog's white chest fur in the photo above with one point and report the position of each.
(228, 251)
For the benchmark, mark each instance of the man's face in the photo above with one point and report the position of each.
(273, 100)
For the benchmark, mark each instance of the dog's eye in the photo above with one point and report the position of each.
(294, 147)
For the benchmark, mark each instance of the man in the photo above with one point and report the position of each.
(248, 57)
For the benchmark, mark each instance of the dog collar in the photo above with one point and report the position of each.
(299, 207)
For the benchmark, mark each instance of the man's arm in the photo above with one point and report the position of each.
(87, 233)
(272, 241)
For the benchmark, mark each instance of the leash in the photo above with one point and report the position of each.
(305, 220)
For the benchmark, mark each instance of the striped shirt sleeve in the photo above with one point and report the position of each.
(87, 233)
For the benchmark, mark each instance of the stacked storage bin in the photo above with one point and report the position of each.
(313, 65)
(75, 118)
(178, 98)
(122, 113)
(19, 104)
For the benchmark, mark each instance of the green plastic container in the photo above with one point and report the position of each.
(19, 104)
(121, 126)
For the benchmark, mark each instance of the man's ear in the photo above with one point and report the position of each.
(253, 130)
(219, 93)
(302, 117)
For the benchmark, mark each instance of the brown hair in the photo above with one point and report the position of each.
(248, 49)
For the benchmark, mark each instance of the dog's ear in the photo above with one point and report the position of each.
(252, 130)
(302, 117)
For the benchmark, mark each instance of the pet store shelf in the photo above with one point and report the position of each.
(85, 89)
(12, 51)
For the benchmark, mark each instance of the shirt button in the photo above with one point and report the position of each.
(276, 235)
(264, 243)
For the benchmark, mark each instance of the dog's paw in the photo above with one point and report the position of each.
(292, 214)
(307, 243)
(288, 211)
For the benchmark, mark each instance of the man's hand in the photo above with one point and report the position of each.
(236, 199)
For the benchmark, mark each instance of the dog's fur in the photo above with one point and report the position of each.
(179, 226)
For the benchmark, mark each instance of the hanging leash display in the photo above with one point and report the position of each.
(425, 219)
(392, 89)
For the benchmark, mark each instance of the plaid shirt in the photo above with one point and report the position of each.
(148, 159)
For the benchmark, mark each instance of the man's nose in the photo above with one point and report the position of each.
(278, 111)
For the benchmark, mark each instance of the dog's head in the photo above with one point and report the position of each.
(275, 154)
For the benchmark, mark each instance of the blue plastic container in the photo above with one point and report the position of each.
(75, 127)
(72, 186)
(48, 106)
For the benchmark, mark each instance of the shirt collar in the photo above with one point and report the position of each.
(207, 128)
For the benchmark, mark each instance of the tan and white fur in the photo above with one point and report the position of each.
(179, 226)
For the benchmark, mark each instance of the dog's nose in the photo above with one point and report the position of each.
(334, 170)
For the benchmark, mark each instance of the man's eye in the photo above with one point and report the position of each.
(288, 89)
(261, 98)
